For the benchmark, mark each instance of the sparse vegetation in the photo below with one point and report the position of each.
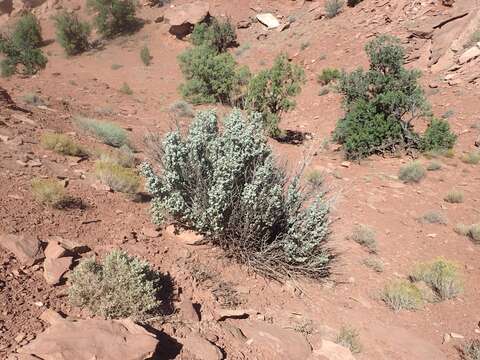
(471, 350)
(438, 136)
(333, 8)
(412, 172)
(402, 294)
(441, 275)
(328, 75)
(315, 178)
(49, 192)
(33, 99)
(218, 35)
(114, 17)
(22, 47)
(374, 263)
(472, 231)
(182, 109)
(61, 144)
(124, 157)
(348, 337)
(72, 33)
(381, 103)
(454, 197)
(109, 133)
(434, 165)
(365, 236)
(433, 217)
(145, 55)
(226, 186)
(271, 92)
(120, 286)
(474, 38)
(116, 66)
(472, 158)
(117, 177)
(125, 89)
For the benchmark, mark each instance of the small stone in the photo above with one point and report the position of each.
(54, 250)
(456, 336)
(51, 316)
(20, 337)
(346, 164)
(54, 269)
(446, 338)
(188, 311)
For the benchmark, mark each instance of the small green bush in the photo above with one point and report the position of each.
(114, 17)
(117, 177)
(125, 89)
(328, 75)
(61, 144)
(402, 294)
(120, 286)
(226, 186)
(271, 92)
(438, 136)
(348, 337)
(109, 133)
(374, 264)
(471, 350)
(380, 103)
(433, 217)
(210, 77)
(434, 165)
(145, 55)
(472, 158)
(49, 192)
(333, 8)
(441, 275)
(412, 172)
(72, 33)
(365, 236)
(454, 197)
(219, 35)
(22, 47)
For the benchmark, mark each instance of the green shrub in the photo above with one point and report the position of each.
(380, 103)
(328, 75)
(438, 136)
(145, 55)
(120, 286)
(271, 92)
(226, 186)
(117, 177)
(210, 77)
(219, 35)
(109, 133)
(471, 350)
(433, 217)
(61, 144)
(114, 17)
(365, 236)
(125, 89)
(402, 294)
(374, 264)
(454, 197)
(333, 8)
(72, 33)
(472, 158)
(434, 166)
(348, 337)
(22, 47)
(412, 172)
(49, 192)
(441, 275)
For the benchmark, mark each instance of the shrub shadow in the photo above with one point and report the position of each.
(293, 137)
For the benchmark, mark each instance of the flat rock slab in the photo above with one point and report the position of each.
(26, 248)
(93, 339)
(332, 351)
(54, 250)
(183, 17)
(269, 20)
(275, 341)
(201, 348)
(54, 269)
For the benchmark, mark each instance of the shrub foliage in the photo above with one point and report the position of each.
(114, 17)
(72, 33)
(109, 133)
(382, 103)
(219, 35)
(22, 47)
(226, 186)
(118, 287)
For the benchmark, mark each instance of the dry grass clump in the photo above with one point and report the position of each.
(472, 231)
(433, 217)
(434, 165)
(374, 264)
(348, 337)
(472, 158)
(365, 236)
(117, 177)
(182, 109)
(412, 173)
(33, 99)
(402, 294)
(454, 197)
(61, 144)
(471, 350)
(109, 133)
(124, 156)
(315, 178)
(49, 192)
(120, 286)
(441, 275)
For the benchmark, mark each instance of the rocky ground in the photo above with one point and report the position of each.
(212, 307)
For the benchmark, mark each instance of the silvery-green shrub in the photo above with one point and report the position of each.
(227, 186)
